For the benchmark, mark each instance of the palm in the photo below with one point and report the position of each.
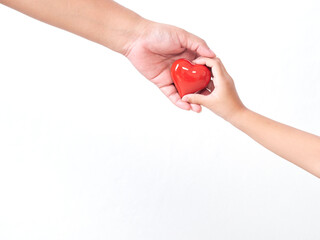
(154, 53)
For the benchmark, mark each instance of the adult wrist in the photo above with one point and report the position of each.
(139, 30)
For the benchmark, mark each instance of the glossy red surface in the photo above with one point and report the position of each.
(188, 77)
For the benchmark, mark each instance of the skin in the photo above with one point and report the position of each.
(296, 146)
(151, 47)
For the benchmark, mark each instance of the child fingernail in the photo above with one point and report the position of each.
(185, 98)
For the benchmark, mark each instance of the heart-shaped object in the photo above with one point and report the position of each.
(188, 77)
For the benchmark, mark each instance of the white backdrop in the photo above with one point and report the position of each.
(89, 149)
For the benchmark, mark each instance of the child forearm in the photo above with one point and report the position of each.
(296, 146)
(101, 21)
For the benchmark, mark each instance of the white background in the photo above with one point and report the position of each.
(89, 149)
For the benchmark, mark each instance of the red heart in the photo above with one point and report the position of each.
(188, 77)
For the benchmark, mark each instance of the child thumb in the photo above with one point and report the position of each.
(194, 98)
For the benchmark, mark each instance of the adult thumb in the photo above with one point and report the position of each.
(194, 98)
(196, 44)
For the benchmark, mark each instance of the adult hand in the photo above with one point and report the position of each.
(151, 47)
(157, 47)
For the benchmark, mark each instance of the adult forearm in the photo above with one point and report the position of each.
(101, 21)
(296, 146)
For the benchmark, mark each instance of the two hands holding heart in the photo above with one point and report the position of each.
(189, 78)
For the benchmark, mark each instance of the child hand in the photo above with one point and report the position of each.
(223, 100)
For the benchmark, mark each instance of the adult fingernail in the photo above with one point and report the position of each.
(212, 53)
